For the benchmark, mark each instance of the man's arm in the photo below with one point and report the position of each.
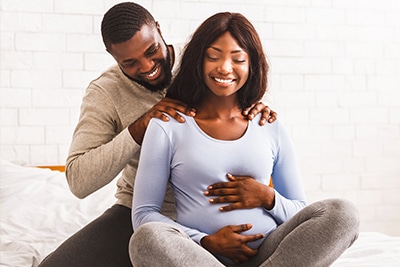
(99, 150)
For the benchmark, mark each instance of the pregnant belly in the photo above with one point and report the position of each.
(209, 219)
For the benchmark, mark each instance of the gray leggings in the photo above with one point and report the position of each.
(315, 236)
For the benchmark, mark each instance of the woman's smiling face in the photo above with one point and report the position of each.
(226, 66)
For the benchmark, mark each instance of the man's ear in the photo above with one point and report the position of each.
(158, 28)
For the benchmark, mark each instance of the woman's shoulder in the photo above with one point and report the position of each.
(275, 130)
(172, 124)
(271, 126)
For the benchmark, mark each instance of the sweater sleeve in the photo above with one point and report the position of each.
(152, 178)
(286, 178)
(98, 152)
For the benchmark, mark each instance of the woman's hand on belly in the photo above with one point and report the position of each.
(230, 243)
(243, 192)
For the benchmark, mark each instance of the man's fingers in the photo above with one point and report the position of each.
(272, 116)
(156, 114)
(163, 113)
(174, 114)
(179, 106)
(168, 107)
(255, 110)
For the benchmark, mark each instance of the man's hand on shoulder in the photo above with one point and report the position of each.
(160, 110)
(268, 115)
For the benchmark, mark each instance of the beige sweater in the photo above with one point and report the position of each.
(102, 146)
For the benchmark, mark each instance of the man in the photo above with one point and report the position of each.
(115, 112)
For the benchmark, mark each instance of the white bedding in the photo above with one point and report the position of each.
(38, 212)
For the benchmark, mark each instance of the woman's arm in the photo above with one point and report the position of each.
(152, 178)
(287, 181)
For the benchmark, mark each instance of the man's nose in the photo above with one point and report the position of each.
(146, 65)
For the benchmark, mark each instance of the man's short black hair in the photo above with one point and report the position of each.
(122, 21)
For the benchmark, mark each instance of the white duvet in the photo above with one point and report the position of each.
(38, 212)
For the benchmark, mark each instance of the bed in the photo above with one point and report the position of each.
(38, 212)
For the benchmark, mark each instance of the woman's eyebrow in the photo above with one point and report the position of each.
(232, 52)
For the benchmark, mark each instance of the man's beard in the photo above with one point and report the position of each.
(166, 69)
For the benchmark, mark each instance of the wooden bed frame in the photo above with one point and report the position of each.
(60, 168)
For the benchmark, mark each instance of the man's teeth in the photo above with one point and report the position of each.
(223, 80)
(153, 73)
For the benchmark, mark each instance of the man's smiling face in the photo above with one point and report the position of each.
(145, 58)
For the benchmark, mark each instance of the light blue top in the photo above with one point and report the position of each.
(181, 153)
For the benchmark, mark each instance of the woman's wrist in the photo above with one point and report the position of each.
(269, 202)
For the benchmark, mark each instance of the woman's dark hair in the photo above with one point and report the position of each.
(122, 21)
(189, 86)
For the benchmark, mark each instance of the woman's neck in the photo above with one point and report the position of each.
(219, 108)
(221, 118)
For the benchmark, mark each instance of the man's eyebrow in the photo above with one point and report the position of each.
(148, 50)
(129, 60)
(232, 52)
(152, 47)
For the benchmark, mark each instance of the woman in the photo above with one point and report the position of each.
(225, 68)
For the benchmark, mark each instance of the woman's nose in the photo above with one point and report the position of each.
(225, 67)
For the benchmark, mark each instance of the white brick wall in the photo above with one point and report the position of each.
(335, 80)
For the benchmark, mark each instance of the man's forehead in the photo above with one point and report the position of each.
(147, 32)
(141, 41)
(146, 37)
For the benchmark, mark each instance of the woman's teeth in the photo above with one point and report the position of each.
(223, 80)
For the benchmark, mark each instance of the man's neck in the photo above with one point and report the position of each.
(172, 55)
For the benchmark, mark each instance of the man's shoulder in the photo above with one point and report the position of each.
(178, 48)
(111, 74)
(178, 51)
(113, 82)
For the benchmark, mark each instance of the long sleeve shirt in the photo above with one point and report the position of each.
(191, 160)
